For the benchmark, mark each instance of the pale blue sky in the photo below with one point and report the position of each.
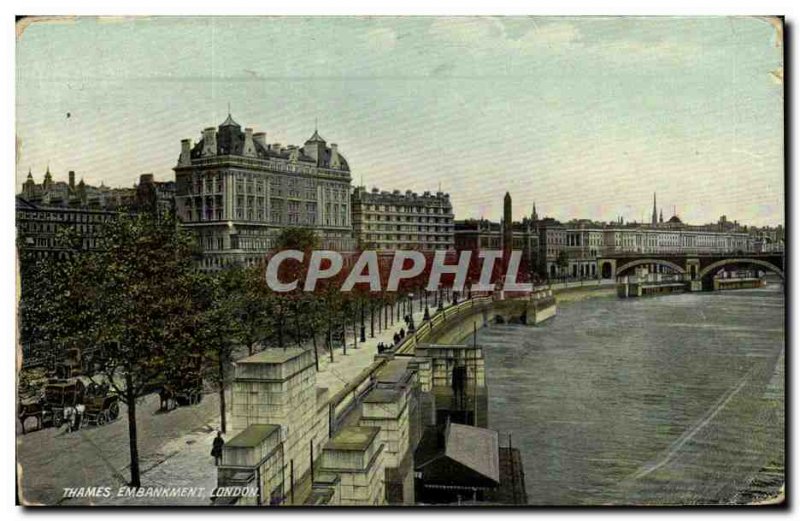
(585, 116)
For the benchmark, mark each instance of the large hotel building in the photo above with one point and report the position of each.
(387, 221)
(236, 192)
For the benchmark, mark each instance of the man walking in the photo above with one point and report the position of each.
(216, 450)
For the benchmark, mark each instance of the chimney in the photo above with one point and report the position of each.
(260, 138)
(276, 147)
(209, 142)
(249, 148)
(72, 179)
(335, 163)
(186, 152)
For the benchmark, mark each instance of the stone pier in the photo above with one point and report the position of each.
(390, 405)
(254, 459)
(356, 456)
(277, 387)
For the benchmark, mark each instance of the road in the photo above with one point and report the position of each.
(174, 451)
(174, 447)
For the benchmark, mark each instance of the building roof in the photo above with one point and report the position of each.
(475, 448)
(229, 122)
(458, 455)
(230, 141)
(22, 203)
(675, 219)
(315, 138)
(253, 435)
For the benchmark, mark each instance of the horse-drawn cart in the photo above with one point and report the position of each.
(101, 409)
(60, 396)
(71, 400)
(189, 392)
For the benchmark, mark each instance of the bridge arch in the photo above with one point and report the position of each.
(640, 262)
(729, 262)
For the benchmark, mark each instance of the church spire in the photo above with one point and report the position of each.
(48, 178)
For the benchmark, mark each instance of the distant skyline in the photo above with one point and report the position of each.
(586, 117)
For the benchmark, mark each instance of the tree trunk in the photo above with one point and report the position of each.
(314, 343)
(329, 337)
(222, 424)
(371, 319)
(344, 334)
(130, 399)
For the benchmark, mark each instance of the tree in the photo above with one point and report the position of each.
(53, 311)
(141, 287)
(311, 311)
(298, 238)
(251, 304)
(216, 299)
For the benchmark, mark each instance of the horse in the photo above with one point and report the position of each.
(167, 396)
(73, 417)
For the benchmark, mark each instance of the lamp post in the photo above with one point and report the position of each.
(363, 337)
(371, 318)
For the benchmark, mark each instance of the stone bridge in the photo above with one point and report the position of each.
(700, 268)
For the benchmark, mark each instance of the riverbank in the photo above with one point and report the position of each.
(579, 293)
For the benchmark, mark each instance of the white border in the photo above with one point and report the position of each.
(309, 7)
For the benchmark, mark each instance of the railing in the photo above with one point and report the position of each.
(686, 253)
(349, 397)
(580, 283)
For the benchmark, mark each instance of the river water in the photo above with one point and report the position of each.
(663, 400)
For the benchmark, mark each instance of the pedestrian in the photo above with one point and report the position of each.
(402, 333)
(69, 418)
(79, 410)
(216, 450)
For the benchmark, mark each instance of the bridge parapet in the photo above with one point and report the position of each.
(697, 266)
